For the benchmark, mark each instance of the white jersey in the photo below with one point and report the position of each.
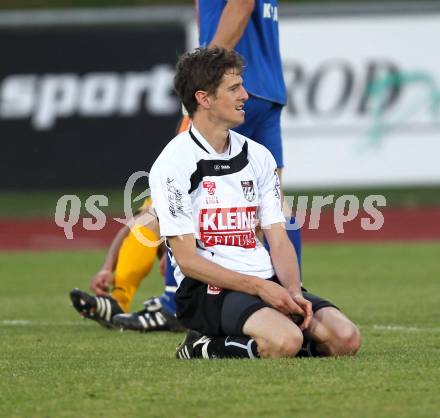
(220, 198)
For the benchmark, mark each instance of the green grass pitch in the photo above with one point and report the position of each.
(53, 364)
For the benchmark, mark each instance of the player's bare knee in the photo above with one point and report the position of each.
(264, 348)
(353, 340)
(348, 340)
(275, 334)
(291, 344)
(286, 344)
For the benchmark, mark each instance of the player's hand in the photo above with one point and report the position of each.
(278, 297)
(101, 283)
(163, 264)
(306, 306)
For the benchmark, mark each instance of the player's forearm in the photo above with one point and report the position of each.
(286, 267)
(113, 251)
(233, 22)
(199, 268)
(144, 219)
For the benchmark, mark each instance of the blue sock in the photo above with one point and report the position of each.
(168, 297)
(295, 237)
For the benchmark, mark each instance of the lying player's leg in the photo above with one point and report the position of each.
(98, 308)
(135, 261)
(158, 313)
(127, 262)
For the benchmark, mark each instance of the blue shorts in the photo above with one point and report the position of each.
(263, 125)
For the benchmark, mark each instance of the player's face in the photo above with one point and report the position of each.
(228, 102)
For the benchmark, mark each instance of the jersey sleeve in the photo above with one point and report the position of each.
(270, 210)
(171, 201)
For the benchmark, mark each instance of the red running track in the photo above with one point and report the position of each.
(399, 225)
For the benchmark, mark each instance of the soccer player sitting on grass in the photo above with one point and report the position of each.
(211, 188)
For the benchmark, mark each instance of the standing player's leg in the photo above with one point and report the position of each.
(263, 124)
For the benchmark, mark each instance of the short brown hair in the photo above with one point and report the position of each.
(203, 69)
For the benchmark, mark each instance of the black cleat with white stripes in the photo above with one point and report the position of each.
(187, 350)
(152, 318)
(101, 309)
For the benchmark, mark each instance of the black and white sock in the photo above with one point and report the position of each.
(226, 347)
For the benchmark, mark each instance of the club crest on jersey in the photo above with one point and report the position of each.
(209, 186)
(248, 190)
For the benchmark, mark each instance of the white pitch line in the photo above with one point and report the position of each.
(403, 328)
(28, 322)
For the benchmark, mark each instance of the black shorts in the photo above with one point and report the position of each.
(223, 312)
